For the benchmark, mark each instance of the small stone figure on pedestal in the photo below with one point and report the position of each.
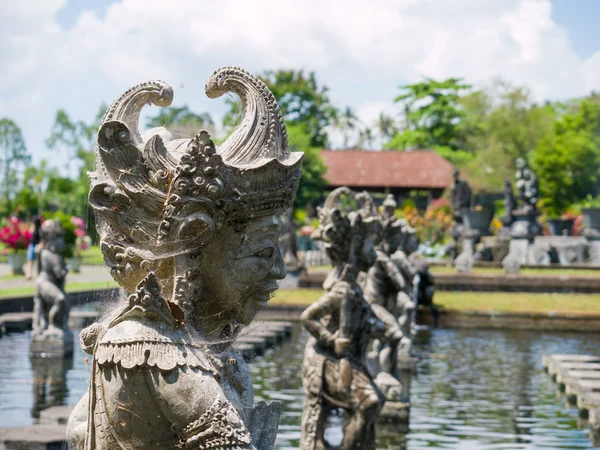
(525, 224)
(461, 200)
(191, 234)
(50, 336)
(510, 204)
(341, 324)
(527, 185)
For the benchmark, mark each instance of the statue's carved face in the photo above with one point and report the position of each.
(367, 255)
(240, 269)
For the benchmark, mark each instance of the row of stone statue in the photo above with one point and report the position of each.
(355, 311)
(190, 232)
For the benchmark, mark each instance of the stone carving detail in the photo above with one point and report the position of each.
(341, 324)
(389, 286)
(510, 204)
(527, 186)
(50, 335)
(190, 231)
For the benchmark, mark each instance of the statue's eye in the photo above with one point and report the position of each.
(265, 253)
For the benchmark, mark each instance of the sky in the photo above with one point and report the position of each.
(78, 54)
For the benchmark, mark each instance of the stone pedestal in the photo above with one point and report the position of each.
(496, 246)
(594, 252)
(52, 345)
(526, 225)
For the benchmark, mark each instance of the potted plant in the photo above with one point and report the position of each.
(590, 208)
(478, 219)
(82, 243)
(16, 237)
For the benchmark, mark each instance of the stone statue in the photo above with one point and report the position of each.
(461, 195)
(50, 335)
(341, 324)
(191, 234)
(510, 204)
(527, 186)
(287, 241)
(389, 284)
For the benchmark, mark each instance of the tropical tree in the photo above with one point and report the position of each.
(499, 125)
(433, 114)
(567, 160)
(347, 122)
(13, 157)
(385, 126)
(182, 122)
(302, 101)
(312, 181)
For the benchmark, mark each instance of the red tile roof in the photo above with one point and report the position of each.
(423, 169)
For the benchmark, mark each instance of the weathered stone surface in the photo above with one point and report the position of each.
(191, 233)
(51, 337)
(56, 415)
(16, 322)
(35, 437)
(340, 324)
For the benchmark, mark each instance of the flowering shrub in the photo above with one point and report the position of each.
(434, 224)
(15, 235)
(83, 241)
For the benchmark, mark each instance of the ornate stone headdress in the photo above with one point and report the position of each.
(345, 216)
(156, 198)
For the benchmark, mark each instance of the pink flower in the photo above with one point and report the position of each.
(79, 232)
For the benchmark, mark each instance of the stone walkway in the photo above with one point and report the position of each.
(89, 274)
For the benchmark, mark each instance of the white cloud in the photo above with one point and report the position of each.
(362, 49)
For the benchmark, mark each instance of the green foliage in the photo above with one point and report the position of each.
(70, 236)
(13, 155)
(500, 125)
(568, 160)
(77, 139)
(302, 102)
(433, 114)
(589, 202)
(312, 183)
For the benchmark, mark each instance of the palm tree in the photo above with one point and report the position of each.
(347, 121)
(386, 126)
(365, 137)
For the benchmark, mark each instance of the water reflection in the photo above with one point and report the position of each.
(49, 383)
(473, 389)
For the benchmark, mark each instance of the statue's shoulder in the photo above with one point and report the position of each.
(144, 342)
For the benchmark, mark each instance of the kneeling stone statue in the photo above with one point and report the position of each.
(51, 336)
(191, 234)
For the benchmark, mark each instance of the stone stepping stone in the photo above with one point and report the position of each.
(553, 363)
(56, 415)
(588, 400)
(16, 322)
(569, 375)
(272, 325)
(35, 437)
(271, 337)
(246, 351)
(81, 319)
(259, 345)
(576, 366)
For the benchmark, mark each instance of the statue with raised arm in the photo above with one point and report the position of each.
(190, 232)
(341, 324)
(527, 186)
(50, 335)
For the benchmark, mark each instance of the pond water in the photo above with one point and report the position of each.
(473, 390)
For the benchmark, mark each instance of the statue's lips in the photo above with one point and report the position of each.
(261, 295)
